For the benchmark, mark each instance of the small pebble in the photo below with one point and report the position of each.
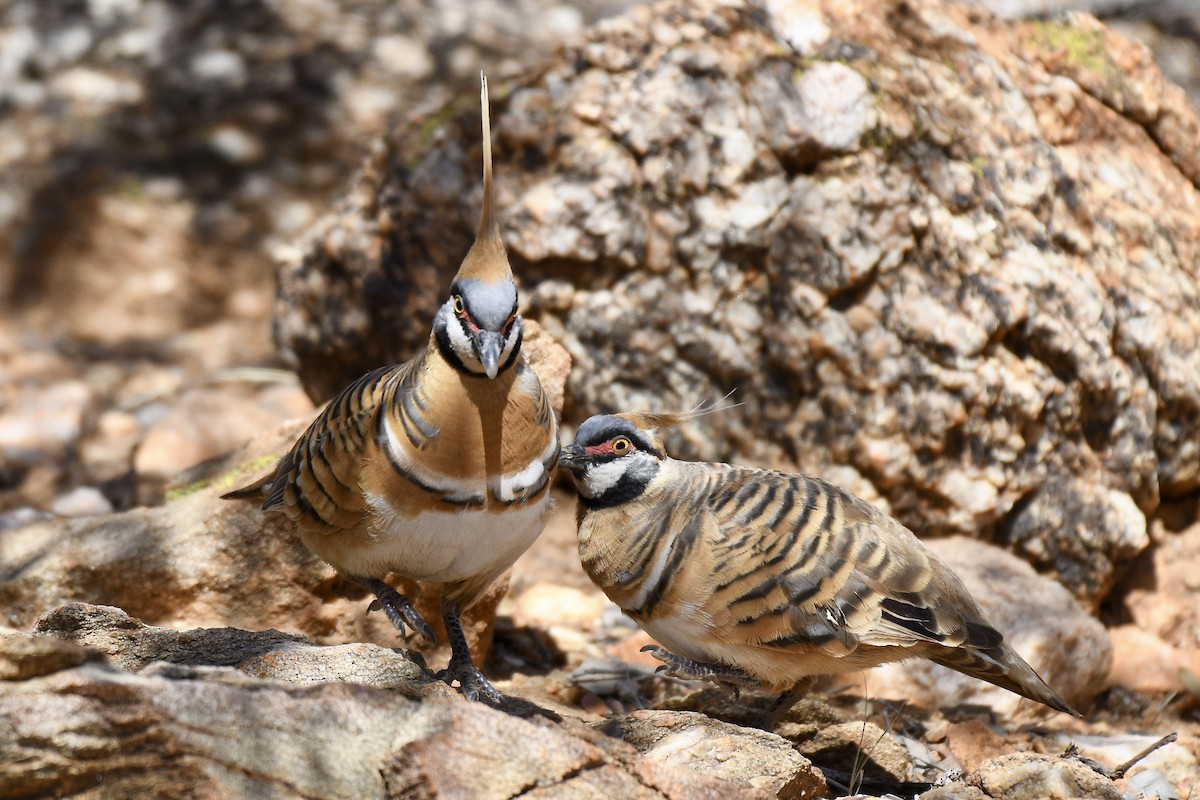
(81, 501)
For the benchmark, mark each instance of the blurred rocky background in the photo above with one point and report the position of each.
(947, 256)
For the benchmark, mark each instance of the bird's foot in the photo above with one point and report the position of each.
(783, 704)
(400, 611)
(689, 670)
(471, 682)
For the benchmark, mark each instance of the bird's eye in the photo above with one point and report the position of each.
(621, 445)
(456, 303)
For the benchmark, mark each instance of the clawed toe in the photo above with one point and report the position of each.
(471, 682)
(683, 668)
(403, 616)
(399, 610)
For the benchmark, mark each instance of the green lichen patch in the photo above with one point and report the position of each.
(251, 469)
(1080, 48)
(242, 473)
(183, 491)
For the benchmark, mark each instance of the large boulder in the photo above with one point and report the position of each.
(947, 260)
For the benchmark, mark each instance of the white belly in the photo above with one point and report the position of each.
(448, 546)
(683, 634)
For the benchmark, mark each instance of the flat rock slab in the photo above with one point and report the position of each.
(94, 703)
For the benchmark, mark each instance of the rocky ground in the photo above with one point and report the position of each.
(158, 166)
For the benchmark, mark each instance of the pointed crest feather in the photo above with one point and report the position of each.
(487, 259)
(652, 421)
(485, 216)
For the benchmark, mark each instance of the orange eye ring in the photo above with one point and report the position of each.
(456, 302)
(621, 445)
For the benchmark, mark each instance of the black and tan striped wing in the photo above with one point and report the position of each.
(800, 563)
(318, 481)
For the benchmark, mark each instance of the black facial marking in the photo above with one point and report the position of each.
(629, 487)
(599, 429)
(516, 351)
(442, 337)
(447, 350)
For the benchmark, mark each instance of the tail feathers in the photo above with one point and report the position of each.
(254, 491)
(1001, 666)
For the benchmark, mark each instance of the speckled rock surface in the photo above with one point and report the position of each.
(948, 261)
(1025, 777)
(1084, 535)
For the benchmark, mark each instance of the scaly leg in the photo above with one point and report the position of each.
(398, 609)
(686, 669)
(471, 682)
(784, 704)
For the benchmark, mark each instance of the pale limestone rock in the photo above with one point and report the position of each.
(1162, 592)
(1022, 776)
(38, 421)
(1085, 536)
(762, 763)
(799, 24)
(81, 501)
(210, 421)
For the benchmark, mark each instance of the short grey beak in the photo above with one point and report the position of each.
(571, 457)
(489, 346)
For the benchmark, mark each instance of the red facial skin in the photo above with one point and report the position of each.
(465, 317)
(599, 449)
(473, 328)
(606, 448)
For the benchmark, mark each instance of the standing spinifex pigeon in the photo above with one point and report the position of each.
(756, 577)
(438, 469)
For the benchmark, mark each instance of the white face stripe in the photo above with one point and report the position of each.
(462, 345)
(599, 478)
(460, 341)
(510, 341)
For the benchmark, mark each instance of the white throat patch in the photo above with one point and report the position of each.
(600, 478)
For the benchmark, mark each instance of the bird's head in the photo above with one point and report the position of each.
(478, 328)
(613, 459)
